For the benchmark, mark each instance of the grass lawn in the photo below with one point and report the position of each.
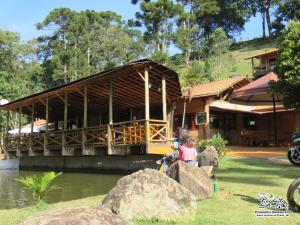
(240, 180)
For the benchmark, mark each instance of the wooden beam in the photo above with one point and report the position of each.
(164, 98)
(110, 109)
(85, 107)
(6, 131)
(183, 115)
(66, 111)
(20, 127)
(139, 73)
(110, 118)
(61, 98)
(147, 109)
(147, 99)
(32, 119)
(47, 114)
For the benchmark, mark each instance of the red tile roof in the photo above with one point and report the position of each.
(216, 87)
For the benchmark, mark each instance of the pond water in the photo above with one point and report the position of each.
(73, 186)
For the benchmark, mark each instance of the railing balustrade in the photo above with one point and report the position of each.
(96, 135)
(123, 133)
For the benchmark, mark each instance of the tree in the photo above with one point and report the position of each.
(263, 7)
(195, 74)
(186, 37)
(216, 55)
(85, 42)
(40, 185)
(288, 68)
(230, 15)
(286, 11)
(157, 17)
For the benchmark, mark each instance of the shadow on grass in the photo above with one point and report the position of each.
(248, 198)
(249, 180)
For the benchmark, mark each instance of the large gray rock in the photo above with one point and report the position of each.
(196, 180)
(78, 215)
(150, 194)
(208, 157)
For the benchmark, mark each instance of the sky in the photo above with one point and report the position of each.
(21, 15)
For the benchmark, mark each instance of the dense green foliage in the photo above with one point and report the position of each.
(216, 141)
(288, 67)
(40, 185)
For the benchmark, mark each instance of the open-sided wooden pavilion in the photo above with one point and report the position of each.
(121, 111)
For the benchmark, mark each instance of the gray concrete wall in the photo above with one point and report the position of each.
(9, 164)
(116, 164)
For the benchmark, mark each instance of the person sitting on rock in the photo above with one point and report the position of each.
(167, 160)
(187, 150)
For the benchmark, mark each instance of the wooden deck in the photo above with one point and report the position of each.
(120, 137)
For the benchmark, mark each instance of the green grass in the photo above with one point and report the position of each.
(240, 180)
(242, 50)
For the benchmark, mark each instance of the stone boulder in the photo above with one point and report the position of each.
(76, 215)
(150, 194)
(208, 157)
(196, 179)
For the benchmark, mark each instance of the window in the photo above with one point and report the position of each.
(222, 120)
(249, 123)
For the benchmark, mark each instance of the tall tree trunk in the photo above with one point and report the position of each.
(65, 64)
(268, 21)
(263, 24)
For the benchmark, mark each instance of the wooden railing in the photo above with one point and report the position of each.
(158, 131)
(37, 141)
(128, 133)
(96, 135)
(73, 137)
(12, 143)
(53, 139)
(123, 133)
(24, 142)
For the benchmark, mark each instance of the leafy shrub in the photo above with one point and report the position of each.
(40, 185)
(216, 141)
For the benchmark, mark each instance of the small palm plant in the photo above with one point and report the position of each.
(40, 185)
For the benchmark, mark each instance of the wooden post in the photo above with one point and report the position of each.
(110, 119)
(147, 109)
(66, 111)
(31, 128)
(206, 126)
(47, 114)
(171, 119)
(164, 105)
(63, 140)
(20, 127)
(85, 118)
(32, 119)
(6, 140)
(164, 98)
(85, 108)
(45, 135)
(183, 115)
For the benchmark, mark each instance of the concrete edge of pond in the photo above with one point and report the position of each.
(9, 164)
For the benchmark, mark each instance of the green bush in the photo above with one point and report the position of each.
(216, 141)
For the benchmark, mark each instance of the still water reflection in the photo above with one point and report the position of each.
(73, 186)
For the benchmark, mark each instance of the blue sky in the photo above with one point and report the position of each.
(21, 15)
